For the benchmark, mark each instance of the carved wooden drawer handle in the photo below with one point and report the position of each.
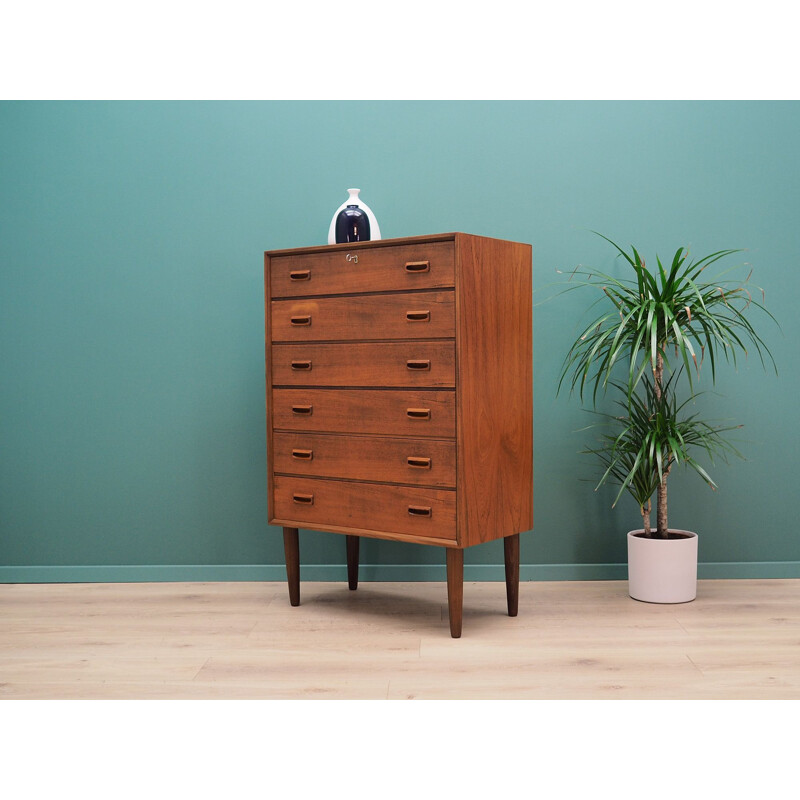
(305, 319)
(419, 364)
(418, 413)
(420, 462)
(301, 365)
(418, 266)
(303, 499)
(418, 316)
(300, 275)
(303, 455)
(303, 410)
(419, 511)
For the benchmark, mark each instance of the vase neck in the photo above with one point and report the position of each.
(353, 199)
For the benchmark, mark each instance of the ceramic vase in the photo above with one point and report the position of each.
(352, 225)
(354, 200)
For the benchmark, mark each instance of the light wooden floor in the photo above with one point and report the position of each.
(739, 639)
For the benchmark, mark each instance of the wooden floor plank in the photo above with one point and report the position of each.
(739, 639)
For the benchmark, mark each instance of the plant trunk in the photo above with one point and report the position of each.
(661, 496)
(646, 517)
(658, 374)
(661, 508)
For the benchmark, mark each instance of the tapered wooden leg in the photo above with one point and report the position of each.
(291, 547)
(352, 561)
(455, 589)
(511, 547)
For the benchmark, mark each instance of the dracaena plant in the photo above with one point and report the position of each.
(654, 325)
(653, 433)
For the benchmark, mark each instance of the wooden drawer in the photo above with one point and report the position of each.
(416, 315)
(427, 265)
(371, 411)
(422, 462)
(429, 513)
(423, 363)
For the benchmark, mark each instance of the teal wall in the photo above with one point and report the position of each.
(131, 314)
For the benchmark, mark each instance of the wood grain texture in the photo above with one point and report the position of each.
(421, 462)
(413, 412)
(416, 511)
(415, 315)
(370, 533)
(494, 395)
(739, 640)
(379, 268)
(384, 364)
(404, 241)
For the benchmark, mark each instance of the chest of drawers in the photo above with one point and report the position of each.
(399, 397)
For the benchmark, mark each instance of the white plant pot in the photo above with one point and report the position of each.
(662, 570)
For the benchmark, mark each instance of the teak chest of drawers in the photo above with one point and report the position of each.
(399, 397)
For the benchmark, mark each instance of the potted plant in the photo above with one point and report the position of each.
(656, 331)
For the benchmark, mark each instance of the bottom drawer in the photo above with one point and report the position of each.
(430, 513)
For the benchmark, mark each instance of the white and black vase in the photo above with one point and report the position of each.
(373, 230)
(352, 225)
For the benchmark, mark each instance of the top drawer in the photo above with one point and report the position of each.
(364, 269)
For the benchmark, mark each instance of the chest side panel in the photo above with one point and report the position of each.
(494, 393)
